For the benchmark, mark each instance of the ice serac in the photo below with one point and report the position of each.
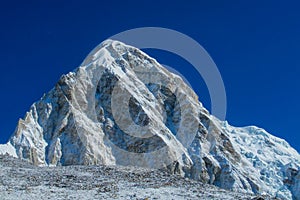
(81, 121)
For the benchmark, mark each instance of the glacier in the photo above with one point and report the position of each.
(121, 107)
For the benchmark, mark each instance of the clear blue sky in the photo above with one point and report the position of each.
(255, 44)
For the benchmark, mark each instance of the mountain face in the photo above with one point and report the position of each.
(121, 107)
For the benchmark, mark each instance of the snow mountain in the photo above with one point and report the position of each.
(121, 107)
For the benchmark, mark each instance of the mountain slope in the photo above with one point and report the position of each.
(20, 180)
(121, 107)
(7, 149)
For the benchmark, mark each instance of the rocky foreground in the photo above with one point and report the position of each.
(120, 107)
(21, 180)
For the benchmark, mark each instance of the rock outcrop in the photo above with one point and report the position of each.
(121, 107)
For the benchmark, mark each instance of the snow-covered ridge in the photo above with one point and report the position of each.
(8, 149)
(81, 121)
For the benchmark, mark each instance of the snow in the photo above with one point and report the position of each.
(8, 149)
(268, 156)
(85, 120)
(19, 180)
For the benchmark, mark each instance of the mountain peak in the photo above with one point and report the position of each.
(121, 107)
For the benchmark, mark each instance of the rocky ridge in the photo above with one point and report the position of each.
(21, 180)
(121, 107)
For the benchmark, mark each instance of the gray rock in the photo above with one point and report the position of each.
(121, 107)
